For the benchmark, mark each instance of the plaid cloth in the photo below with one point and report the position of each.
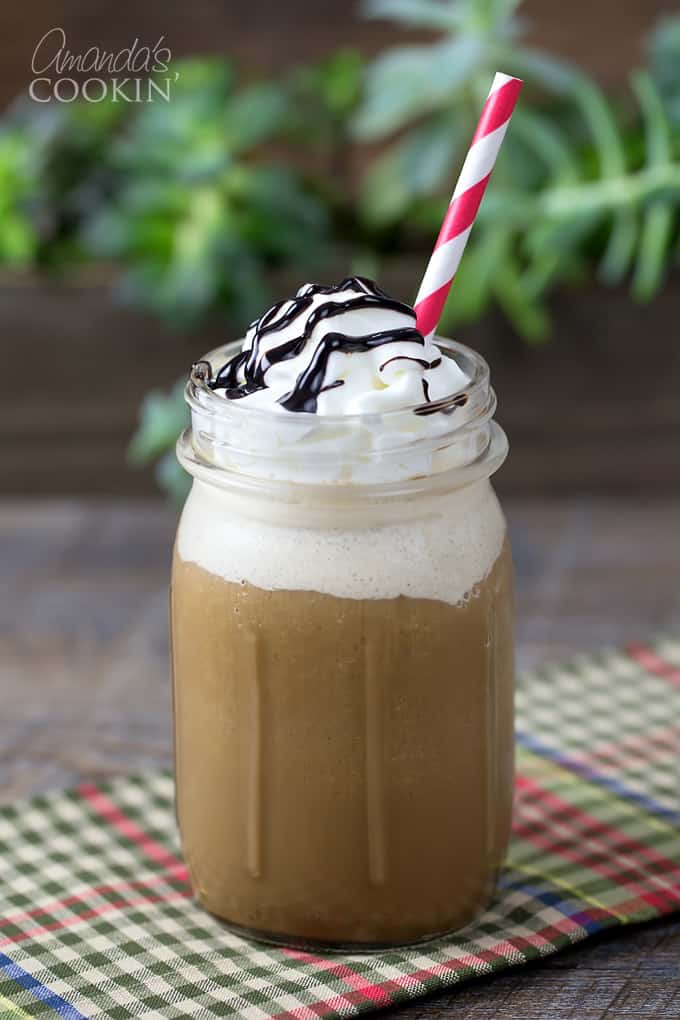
(98, 919)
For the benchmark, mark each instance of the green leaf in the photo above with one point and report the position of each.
(254, 115)
(416, 166)
(211, 78)
(494, 11)
(473, 287)
(657, 229)
(552, 247)
(612, 159)
(18, 237)
(657, 225)
(543, 137)
(365, 262)
(243, 291)
(17, 240)
(602, 126)
(279, 217)
(544, 237)
(341, 77)
(509, 206)
(664, 54)
(608, 195)
(523, 309)
(551, 73)
(440, 15)
(172, 478)
(321, 98)
(162, 417)
(405, 83)
(658, 142)
(620, 250)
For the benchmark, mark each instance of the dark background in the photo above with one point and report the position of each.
(605, 36)
(593, 410)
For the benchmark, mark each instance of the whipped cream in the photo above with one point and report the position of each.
(339, 350)
(336, 385)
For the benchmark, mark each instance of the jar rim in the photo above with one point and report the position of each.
(201, 398)
(237, 446)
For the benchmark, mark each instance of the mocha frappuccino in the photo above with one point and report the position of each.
(342, 630)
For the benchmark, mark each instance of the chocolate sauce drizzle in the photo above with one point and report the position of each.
(245, 373)
(446, 406)
(304, 394)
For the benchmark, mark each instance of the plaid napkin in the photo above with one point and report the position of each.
(98, 920)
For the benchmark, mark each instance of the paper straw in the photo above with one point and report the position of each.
(465, 202)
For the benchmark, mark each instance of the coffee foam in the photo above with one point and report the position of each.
(442, 553)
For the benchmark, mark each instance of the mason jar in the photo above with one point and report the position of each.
(342, 644)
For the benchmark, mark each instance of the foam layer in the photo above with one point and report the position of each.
(441, 553)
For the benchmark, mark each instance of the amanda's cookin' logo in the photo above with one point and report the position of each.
(117, 76)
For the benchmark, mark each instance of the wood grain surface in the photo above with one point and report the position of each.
(85, 690)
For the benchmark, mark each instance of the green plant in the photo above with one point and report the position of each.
(27, 217)
(54, 175)
(18, 240)
(197, 215)
(193, 201)
(323, 96)
(285, 223)
(579, 177)
(664, 57)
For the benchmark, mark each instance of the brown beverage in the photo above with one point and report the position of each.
(344, 765)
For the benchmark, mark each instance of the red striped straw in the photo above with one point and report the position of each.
(468, 193)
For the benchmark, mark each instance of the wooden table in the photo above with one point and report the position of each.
(85, 693)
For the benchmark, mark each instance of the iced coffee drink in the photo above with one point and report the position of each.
(342, 628)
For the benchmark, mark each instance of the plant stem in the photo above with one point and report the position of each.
(609, 195)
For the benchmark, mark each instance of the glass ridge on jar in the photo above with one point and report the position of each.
(343, 666)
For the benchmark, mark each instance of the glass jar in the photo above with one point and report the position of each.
(342, 645)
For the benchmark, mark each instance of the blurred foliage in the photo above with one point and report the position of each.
(664, 57)
(196, 199)
(17, 237)
(195, 217)
(162, 417)
(581, 179)
(323, 97)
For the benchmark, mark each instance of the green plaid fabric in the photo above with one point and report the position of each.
(98, 919)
